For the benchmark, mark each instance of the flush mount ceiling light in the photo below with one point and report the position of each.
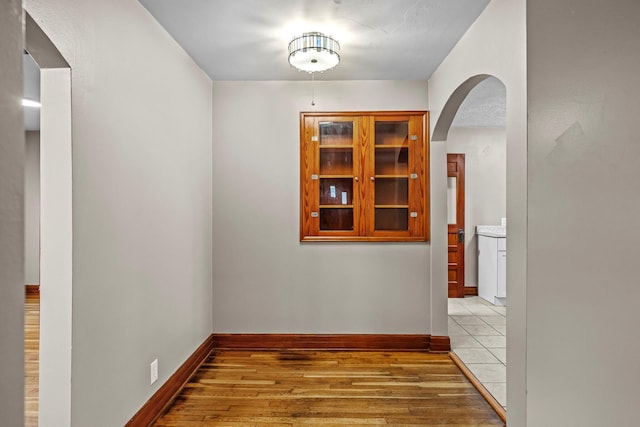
(314, 52)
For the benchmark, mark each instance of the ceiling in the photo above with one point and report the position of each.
(485, 106)
(380, 39)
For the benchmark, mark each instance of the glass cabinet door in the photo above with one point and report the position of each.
(391, 174)
(335, 146)
(329, 190)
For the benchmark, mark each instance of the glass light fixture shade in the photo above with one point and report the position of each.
(314, 52)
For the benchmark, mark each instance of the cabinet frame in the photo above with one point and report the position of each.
(363, 176)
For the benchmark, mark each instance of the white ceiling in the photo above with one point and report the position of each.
(380, 39)
(485, 106)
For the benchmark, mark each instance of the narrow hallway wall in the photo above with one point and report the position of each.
(141, 135)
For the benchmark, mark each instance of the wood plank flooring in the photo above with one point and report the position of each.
(328, 388)
(31, 358)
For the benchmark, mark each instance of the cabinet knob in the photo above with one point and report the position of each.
(373, 178)
(356, 178)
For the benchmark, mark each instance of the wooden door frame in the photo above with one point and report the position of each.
(460, 219)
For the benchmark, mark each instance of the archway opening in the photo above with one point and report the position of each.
(473, 125)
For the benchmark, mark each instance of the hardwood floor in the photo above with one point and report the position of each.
(328, 388)
(31, 358)
(270, 388)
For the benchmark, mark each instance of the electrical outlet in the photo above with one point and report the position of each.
(154, 371)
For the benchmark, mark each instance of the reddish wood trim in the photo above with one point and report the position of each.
(342, 114)
(471, 291)
(455, 169)
(393, 342)
(32, 289)
(161, 399)
(334, 239)
(495, 405)
(440, 344)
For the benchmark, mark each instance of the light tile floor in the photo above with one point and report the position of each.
(478, 332)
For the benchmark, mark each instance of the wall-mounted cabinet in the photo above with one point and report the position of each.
(364, 176)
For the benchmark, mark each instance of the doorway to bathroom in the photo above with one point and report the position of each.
(477, 327)
(455, 225)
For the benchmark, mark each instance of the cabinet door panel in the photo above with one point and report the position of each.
(308, 185)
(392, 131)
(333, 131)
(328, 168)
(392, 219)
(336, 191)
(392, 160)
(390, 182)
(336, 161)
(502, 272)
(392, 191)
(339, 219)
(418, 177)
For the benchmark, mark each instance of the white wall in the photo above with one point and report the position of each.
(496, 45)
(12, 149)
(582, 341)
(265, 280)
(56, 242)
(485, 151)
(32, 208)
(141, 129)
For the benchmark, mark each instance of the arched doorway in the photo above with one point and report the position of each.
(473, 125)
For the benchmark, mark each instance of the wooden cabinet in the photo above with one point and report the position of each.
(364, 176)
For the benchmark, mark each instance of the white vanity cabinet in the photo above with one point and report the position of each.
(492, 263)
